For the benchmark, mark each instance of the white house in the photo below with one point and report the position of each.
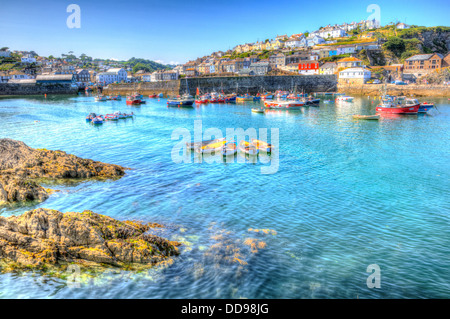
(5, 54)
(294, 41)
(402, 26)
(331, 32)
(354, 75)
(345, 49)
(112, 75)
(314, 40)
(28, 59)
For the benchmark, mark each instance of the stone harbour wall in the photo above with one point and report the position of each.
(145, 88)
(12, 89)
(238, 84)
(255, 84)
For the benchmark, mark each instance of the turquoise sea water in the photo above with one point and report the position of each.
(347, 194)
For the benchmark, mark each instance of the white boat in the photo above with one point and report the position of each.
(248, 148)
(284, 105)
(100, 98)
(344, 98)
(229, 148)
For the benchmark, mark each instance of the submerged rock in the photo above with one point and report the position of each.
(20, 163)
(43, 237)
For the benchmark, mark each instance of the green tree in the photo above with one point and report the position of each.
(395, 45)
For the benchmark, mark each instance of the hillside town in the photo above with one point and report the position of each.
(357, 53)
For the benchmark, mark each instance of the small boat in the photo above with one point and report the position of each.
(425, 107)
(248, 148)
(134, 100)
(387, 106)
(344, 98)
(262, 146)
(185, 100)
(160, 95)
(229, 148)
(152, 95)
(244, 98)
(201, 100)
(258, 110)
(193, 146)
(267, 96)
(311, 101)
(211, 148)
(366, 117)
(283, 105)
(111, 117)
(100, 98)
(90, 117)
(230, 98)
(116, 98)
(97, 120)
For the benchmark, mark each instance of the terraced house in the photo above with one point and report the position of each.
(421, 64)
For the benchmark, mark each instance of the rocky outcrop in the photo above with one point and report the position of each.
(19, 164)
(19, 189)
(43, 237)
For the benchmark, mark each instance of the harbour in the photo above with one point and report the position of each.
(348, 194)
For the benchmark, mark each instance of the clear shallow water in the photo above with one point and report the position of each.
(347, 194)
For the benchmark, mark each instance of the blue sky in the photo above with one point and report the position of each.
(178, 30)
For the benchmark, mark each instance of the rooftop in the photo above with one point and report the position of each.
(419, 57)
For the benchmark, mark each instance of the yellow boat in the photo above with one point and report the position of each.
(262, 146)
(211, 148)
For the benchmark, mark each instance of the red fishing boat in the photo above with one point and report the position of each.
(201, 100)
(152, 96)
(134, 100)
(388, 106)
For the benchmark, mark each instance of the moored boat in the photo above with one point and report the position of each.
(97, 120)
(387, 106)
(192, 146)
(258, 110)
(134, 100)
(284, 105)
(211, 148)
(111, 117)
(425, 107)
(230, 98)
(248, 148)
(90, 117)
(262, 146)
(152, 95)
(244, 98)
(230, 148)
(185, 100)
(100, 98)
